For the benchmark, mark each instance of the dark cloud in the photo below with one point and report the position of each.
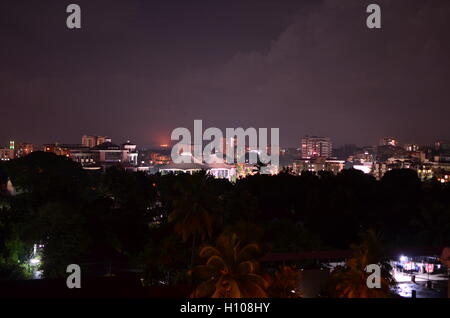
(138, 69)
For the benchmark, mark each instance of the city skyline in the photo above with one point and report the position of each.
(224, 154)
(169, 143)
(140, 70)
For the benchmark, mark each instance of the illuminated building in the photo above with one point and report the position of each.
(441, 170)
(158, 158)
(363, 156)
(76, 152)
(192, 165)
(108, 152)
(366, 167)
(388, 141)
(418, 155)
(6, 154)
(411, 147)
(59, 149)
(92, 141)
(89, 141)
(244, 169)
(104, 154)
(102, 139)
(379, 169)
(82, 155)
(24, 149)
(442, 158)
(131, 153)
(313, 146)
(218, 170)
(317, 164)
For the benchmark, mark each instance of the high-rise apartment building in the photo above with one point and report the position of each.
(313, 146)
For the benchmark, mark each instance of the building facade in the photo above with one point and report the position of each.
(313, 146)
(7, 154)
(92, 141)
(317, 164)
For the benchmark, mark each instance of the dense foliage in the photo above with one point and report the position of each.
(156, 225)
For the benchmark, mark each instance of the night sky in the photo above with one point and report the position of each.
(140, 68)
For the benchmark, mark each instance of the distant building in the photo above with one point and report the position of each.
(221, 170)
(159, 158)
(92, 141)
(218, 170)
(442, 151)
(24, 149)
(442, 146)
(317, 164)
(61, 149)
(384, 152)
(313, 146)
(388, 141)
(108, 152)
(76, 152)
(131, 153)
(379, 169)
(418, 155)
(440, 170)
(100, 156)
(82, 155)
(442, 158)
(425, 171)
(89, 141)
(363, 156)
(366, 167)
(177, 168)
(411, 147)
(7, 154)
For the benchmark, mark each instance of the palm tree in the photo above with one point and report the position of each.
(350, 281)
(193, 206)
(285, 283)
(231, 270)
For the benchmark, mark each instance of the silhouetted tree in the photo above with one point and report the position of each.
(231, 270)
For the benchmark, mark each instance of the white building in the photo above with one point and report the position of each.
(218, 170)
